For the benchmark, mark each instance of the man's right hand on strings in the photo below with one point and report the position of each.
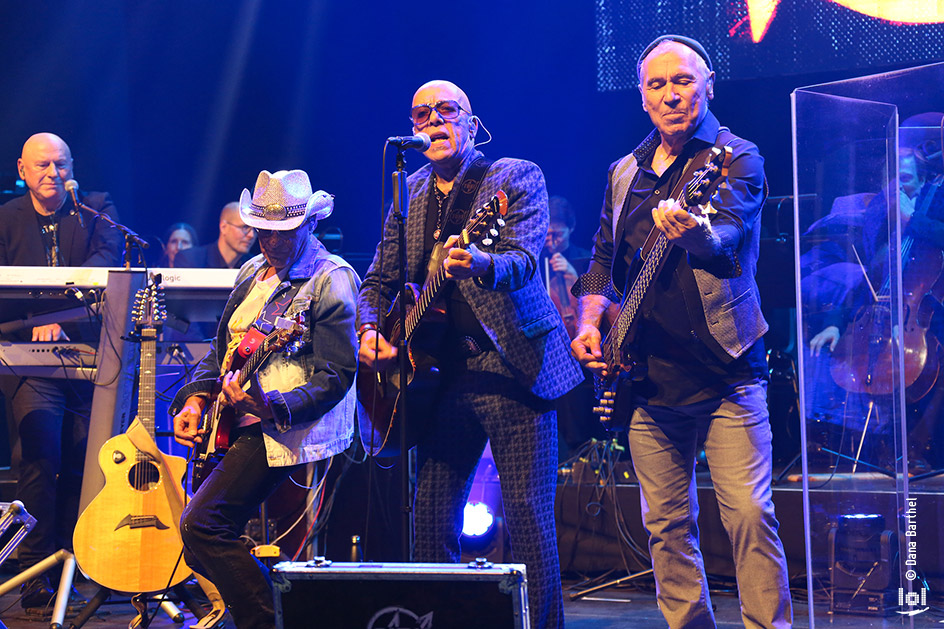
(187, 422)
(375, 351)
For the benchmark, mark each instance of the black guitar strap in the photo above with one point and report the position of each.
(468, 188)
(459, 213)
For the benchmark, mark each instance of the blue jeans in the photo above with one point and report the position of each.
(214, 519)
(737, 443)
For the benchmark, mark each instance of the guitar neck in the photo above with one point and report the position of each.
(632, 301)
(498, 205)
(147, 379)
(255, 359)
(693, 194)
(426, 297)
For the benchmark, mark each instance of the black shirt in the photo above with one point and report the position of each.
(681, 355)
(461, 320)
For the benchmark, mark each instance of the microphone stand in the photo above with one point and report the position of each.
(131, 238)
(401, 205)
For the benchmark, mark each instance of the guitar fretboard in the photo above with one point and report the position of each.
(146, 383)
(436, 281)
(632, 301)
(426, 297)
(629, 310)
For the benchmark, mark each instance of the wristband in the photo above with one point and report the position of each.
(361, 331)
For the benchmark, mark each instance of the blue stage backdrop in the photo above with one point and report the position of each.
(175, 106)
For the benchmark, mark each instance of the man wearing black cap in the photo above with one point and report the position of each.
(699, 332)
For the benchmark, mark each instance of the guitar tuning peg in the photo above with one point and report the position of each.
(500, 222)
(487, 242)
(493, 232)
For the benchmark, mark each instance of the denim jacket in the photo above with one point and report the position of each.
(311, 392)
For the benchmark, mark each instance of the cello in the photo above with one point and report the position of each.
(863, 358)
(557, 285)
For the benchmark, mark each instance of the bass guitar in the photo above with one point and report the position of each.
(377, 391)
(218, 420)
(614, 390)
(127, 538)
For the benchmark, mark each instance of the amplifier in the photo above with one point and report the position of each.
(380, 595)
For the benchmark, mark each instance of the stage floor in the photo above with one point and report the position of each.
(612, 608)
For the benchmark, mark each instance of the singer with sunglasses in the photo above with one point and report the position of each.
(503, 358)
(45, 227)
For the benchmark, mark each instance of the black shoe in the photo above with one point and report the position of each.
(38, 598)
(37, 594)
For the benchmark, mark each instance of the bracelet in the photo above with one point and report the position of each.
(361, 331)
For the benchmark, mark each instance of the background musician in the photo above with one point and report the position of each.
(229, 251)
(700, 332)
(45, 228)
(562, 261)
(846, 295)
(178, 237)
(299, 407)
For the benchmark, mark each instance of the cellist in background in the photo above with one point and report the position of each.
(921, 204)
(561, 263)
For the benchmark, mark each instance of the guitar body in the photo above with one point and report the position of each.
(219, 419)
(379, 392)
(217, 422)
(128, 539)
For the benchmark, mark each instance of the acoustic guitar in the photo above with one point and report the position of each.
(128, 537)
(614, 390)
(378, 391)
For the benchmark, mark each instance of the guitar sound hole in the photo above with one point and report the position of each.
(144, 476)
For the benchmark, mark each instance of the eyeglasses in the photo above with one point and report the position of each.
(447, 110)
(246, 229)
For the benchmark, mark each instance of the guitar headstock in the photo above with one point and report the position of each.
(699, 188)
(149, 311)
(289, 333)
(485, 223)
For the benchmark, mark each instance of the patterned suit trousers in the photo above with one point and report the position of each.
(479, 400)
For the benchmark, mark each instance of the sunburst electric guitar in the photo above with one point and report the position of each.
(220, 418)
(128, 538)
(614, 390)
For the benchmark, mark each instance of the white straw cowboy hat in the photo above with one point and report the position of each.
(283, 201)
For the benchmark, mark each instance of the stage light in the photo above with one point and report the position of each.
(863, 557)
(477, 520)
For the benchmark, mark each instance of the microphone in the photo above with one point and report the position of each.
(72, 185)
(420, 141)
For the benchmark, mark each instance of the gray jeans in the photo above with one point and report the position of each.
(737, 444)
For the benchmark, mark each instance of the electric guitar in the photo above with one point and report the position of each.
(378, 391)
(218, 420)
(127, 538)
(614, 390)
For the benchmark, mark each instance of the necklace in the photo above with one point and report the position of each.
(440, 199)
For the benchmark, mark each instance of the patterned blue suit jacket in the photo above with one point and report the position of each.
(511, 304)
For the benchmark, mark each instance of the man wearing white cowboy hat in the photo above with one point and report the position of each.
(299, 406)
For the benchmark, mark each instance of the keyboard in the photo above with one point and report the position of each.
(78, 360)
